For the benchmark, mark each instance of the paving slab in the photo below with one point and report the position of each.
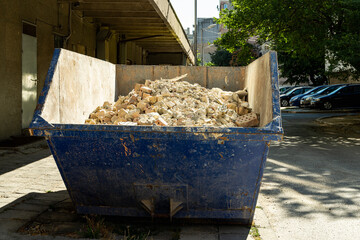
(29, 207)
(232, 236)
(199, 236)
(10, 225)
(233, 229)
(17, 214)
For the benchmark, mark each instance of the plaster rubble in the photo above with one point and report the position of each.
(171, 102)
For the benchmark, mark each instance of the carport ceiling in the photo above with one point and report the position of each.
(139, 20)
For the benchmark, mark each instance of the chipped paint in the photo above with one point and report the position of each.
(132, 138)
(127, 151)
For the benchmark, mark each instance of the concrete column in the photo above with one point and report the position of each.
(122, 50)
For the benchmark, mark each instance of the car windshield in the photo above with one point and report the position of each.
(329, 89)
(317, 90)
(311, 90)
(288, 90)
(345, 89)
(294, 90)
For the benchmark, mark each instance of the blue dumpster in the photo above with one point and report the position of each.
(201, 173)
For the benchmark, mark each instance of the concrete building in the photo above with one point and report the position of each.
(190, 36)
(224, 4)
(118, 31)
(207, 32)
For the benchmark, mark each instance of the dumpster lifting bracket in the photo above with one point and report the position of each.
(174, 207)
(149, 206)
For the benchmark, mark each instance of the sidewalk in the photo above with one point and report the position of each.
(312, 110)
(32, 194)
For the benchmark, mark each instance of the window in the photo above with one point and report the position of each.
(29, 29)
(298, 91)
(348, 89)
(225, 6)
(330, 89)
(357, 88)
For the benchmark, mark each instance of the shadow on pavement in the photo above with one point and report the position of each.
(11, 159)
(53, 214)
(314, 172)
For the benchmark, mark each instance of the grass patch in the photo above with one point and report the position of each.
(254, 232)
(100, 228)
(95, 228)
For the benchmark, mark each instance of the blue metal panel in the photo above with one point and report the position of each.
(211, 173)
(212, 178)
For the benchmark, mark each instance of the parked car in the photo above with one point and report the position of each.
(287, 89)
(305, 101)
(285, 98)
(295, 101)
(284, 89)
(345, 96)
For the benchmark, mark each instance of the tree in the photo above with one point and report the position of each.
(307, 34)
(244, 55)
(240, 57)
(221, 57)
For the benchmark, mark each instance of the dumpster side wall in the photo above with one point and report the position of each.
(259, 85)
(256, 77)
(226, 78)
(78, 86)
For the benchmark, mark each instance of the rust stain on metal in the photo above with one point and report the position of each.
(223, 138)
(39, 106)
(156, 156)
(156, 146)
(201, 134)
(132, 137)
(242, 209)
(127, 151)
(31, 132)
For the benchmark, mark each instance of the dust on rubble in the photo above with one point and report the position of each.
(171, 102)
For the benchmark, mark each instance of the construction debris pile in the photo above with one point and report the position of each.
(171, 102)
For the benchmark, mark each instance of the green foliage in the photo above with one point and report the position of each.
(95, 228)
(240, 57)
(305, 33)
(221, 57)
(198, 59)
(210, 64)
(244, 55)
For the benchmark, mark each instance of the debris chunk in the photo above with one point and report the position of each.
(247, 120)
(171, 102)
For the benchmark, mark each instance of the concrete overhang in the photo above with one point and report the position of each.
(151, 24)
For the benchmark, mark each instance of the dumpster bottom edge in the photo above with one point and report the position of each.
(194, 216)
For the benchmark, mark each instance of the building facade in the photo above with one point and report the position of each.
(115, 31)
(207, 32)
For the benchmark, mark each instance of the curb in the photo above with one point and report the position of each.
(262, 223)
(322, 120)
(320, 111)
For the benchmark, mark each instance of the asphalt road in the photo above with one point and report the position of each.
(311, 184)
